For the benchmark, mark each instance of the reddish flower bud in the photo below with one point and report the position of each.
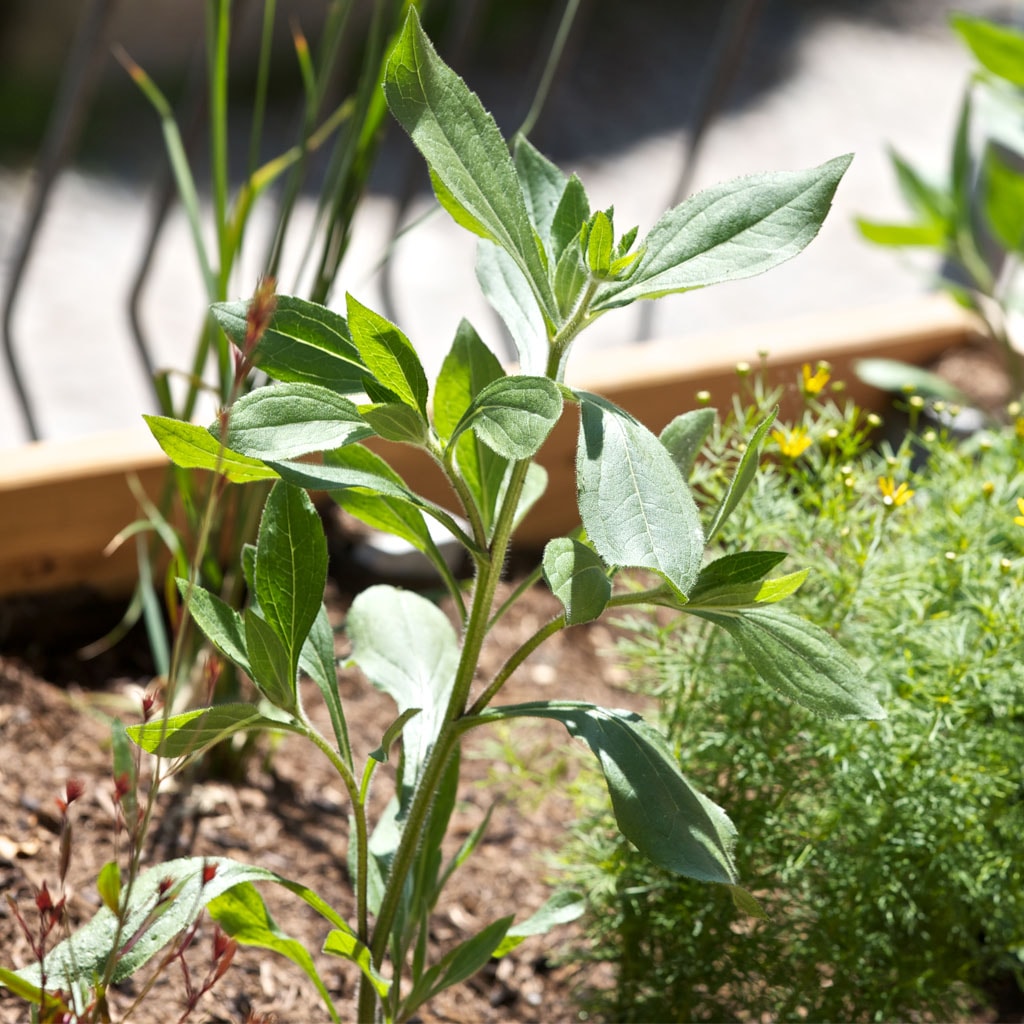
(122, 786)
(209, 871)
(44, 901)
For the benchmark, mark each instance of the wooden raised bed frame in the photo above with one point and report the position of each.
(62, 502)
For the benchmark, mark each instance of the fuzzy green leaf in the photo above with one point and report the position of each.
(571, 217)
(656, 808)
(730, 231)
(389, 355)
(191, 732)
(543, 185)
(243, 915)
(464, 151)
(458, 964)
(635, 506)
(468, 368)
(599, 245)
(286, 420)
(514, 415)
(800, 660)
(684, 437)
(193, 447)
(406, 647)
(220, 623)
(108, 885)
(562, 908)
(291, 569)
(273, 670)
(342, 942)
(508, 291)
(743, 477)
(306, 343)
(578, 578)
(394, 421)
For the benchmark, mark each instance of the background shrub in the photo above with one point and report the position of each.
(887, 856)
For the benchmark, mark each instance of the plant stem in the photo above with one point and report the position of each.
(448, 736)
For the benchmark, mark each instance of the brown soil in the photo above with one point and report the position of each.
(289, 814)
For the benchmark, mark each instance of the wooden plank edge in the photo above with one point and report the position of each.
(61, 502)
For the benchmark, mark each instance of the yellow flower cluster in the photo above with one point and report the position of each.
(1019, 520)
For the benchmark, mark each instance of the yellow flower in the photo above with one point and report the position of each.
(814, 382)
(1019, 520)
(894, 495)
(793, 443)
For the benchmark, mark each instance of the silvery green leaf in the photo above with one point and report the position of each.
(729, 231)
(283, 421)
(636, 507)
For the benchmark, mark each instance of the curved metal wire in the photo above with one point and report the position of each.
(74, 95)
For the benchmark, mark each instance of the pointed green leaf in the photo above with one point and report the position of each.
(191, 732)
(514, 415)
(108, 885)
(220, 623)
(800, 660)
(316, 659)
(730, 231)
(389, 355)
(283, 421)
(562, 908)
(892, 375)
(635, 506)
(467, 369)
(397, 422)
(578, 578)
(999, 48)
(926, 200)
(571, 217)
(570, 278)
(508, 291)
(306, 343)
(684, 437)
(291, 571)
(243, 915)
(656, 808)
(464, 150)
(599, 245)
(743, 477)
(273, 671)
(735, 570)
(340, 942)
(193, 447)
(543, 185)
(736, 580)
(458, 964)
(406, 647)
(387, 512)
(340, 475)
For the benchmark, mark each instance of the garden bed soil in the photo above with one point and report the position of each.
(289, 813)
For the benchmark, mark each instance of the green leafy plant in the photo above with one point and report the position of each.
(975, 219)
(887, 857)
(550, 266)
